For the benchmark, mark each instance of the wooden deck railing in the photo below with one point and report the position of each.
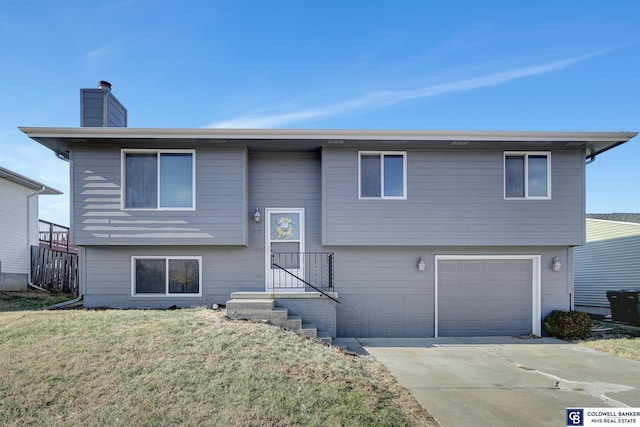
(55, 237)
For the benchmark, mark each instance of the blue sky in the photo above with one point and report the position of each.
(455, 65)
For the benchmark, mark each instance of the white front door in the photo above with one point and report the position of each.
(284, 251)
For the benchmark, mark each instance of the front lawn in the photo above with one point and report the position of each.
(29, 300)
(622, 341)
(185, 367)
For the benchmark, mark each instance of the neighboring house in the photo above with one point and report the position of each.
(19, 231)
(609, 261)
(417, 233)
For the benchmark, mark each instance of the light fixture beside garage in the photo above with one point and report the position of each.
(421, 264)
(555, 264)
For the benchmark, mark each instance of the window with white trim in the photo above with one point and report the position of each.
(382, 175)
(158, 179)
(527, 175)
(166, 276)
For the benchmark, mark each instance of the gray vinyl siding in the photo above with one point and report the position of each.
(107, 271)
(116, 113)
(99, 108)
(381, 290)
(276, 180)
(280, 180)
(383, 293)
(609, 261)
(220, 217)
(453, 198)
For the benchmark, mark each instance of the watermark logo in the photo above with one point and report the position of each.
(575, 417)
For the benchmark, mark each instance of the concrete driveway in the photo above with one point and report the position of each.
(504, 381)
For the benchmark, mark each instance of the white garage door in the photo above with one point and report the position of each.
(484, 297)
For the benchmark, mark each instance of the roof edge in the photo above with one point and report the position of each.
(208, 133)
(27, 182)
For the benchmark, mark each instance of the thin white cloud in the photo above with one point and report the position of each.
(97, 56)
(381, 98)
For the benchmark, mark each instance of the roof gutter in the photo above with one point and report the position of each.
(337, 134)
(60, 140)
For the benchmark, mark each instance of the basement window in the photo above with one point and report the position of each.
(166, 276)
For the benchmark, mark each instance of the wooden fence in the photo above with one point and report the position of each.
(54, 270)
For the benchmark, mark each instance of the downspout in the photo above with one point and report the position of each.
(66, 303)
(590, 159)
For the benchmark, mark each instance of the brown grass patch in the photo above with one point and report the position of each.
(185, 367)
(623, 340)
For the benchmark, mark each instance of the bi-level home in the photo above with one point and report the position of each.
(397, 233)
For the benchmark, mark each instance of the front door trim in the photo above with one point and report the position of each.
(269, 276)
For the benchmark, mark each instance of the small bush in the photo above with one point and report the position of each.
(568, 325)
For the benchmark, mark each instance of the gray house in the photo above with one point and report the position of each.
(609, 261)
(415, 233)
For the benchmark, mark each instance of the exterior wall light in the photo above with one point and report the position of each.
(421, 264)
(256, 216)
(555, 264)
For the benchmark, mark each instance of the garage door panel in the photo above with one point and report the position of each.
(471, 267)
(495, 328)
(521, 325)
(484, 297)
(495, 267)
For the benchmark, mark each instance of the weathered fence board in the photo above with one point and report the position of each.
(53, 270)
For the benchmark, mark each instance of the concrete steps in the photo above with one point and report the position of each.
(248, 306)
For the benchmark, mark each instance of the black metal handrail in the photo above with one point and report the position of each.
(313, 269)
(306, 283)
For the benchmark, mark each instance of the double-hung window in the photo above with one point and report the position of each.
(166, 276)
(527, 175)
(158, 179)
(382, 175)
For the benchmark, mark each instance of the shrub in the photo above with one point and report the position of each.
(568, 325)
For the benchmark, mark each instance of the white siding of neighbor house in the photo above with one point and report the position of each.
(219, 217)
(609, 261)
(454, 197)
(19, 226)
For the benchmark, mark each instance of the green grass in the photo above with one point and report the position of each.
(18, 301)
(185, 367)
(623, 341)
